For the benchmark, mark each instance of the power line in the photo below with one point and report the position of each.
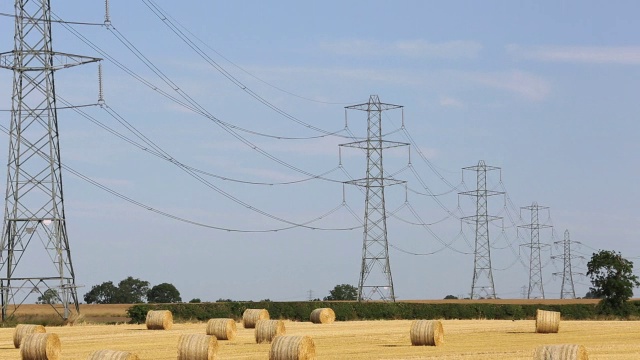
(186, 220)
(197, 107)
(154, 151)
(173, 19)
(185, 104)
(421, 222)
(167, 21)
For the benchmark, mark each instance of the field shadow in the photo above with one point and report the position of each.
(393, 346)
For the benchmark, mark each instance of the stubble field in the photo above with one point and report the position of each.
(464, 339)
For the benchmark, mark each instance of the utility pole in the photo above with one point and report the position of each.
(567, 291)
(375, 281)
(34, 202)
(482, 285)
(536, 286)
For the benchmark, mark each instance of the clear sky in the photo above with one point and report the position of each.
(545, 90)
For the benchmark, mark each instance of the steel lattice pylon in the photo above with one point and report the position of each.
(567, 291)
(482, 285)
(34, 202)
(375, 248)
(536, 286)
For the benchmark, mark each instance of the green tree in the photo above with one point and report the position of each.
(105, 293)
(450, 297)
(342, 292)
(195, 301)
(613, 281)
(164, 293)
(590, 295)
(128, 291)
(50, 296)
(132, 291)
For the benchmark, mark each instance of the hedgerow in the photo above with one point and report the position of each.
(347, 310)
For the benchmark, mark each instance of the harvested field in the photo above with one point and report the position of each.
(92, 313)
(359, 340)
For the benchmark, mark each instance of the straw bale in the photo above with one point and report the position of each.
(40, 346)
(266, 330)
(560, 352)
(288, 347)
(323, 316)
(222, 329)
(112, 355)
(547, 321)
(427, 332)
(197, 347)
(23, 330)
(251, 316)
(159, 320)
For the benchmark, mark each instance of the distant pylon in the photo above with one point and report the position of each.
(375, 247)
(567, 291)
(34, 202)
(482, 285)
(536, 286)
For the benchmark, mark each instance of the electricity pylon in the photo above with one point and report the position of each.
(536, 286)
(375, 247)
(567, 291)
(482, 285)
(34, 202)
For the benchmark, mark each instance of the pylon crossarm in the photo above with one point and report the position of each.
(59, 60)
(382, 182)
(374, 105)
(366, 144)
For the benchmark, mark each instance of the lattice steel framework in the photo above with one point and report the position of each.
(567, 291)
(482, 285)
(34, 202)
(375, 248)
(536, 286)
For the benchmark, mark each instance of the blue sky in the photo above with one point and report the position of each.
(545, 90)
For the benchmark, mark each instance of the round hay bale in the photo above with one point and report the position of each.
(266, 330)
(40, 346)
(23, 330)
(547, 321)
(427, 332)
(197, 347)
(251, 316)
(159, 320)
(560, 352)
(323, 316)
(292, 348)
(112, 355)
(222, 329)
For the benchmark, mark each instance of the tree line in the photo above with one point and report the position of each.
(132, 291)
(611, 277)
(128, 291)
